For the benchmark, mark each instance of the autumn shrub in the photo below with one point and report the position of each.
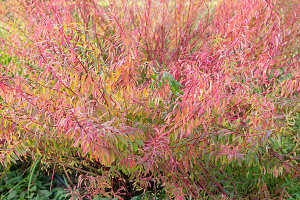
(141, 96)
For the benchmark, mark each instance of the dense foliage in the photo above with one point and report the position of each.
(19, 182)
(184, 99)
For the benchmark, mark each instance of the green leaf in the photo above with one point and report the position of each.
(12, 194)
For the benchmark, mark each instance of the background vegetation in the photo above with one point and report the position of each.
(166, 99)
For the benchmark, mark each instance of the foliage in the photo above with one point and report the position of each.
(176, 98)
(28, 184)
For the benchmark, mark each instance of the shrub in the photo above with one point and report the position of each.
(153, 95)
